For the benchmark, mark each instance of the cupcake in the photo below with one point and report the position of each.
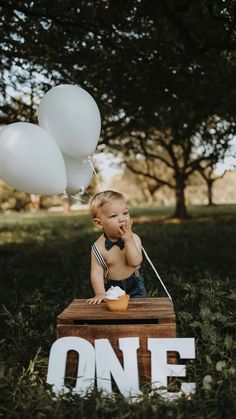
(116, 299)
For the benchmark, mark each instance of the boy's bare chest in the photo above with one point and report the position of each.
(115, 256)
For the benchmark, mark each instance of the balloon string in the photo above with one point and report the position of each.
(157, 274)
(76, 197)
(90, 196)
(66, 195)
(96, 175)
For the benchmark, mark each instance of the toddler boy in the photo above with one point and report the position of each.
(116, 255)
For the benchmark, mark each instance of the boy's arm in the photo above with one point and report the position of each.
(97, 281)
(133, 251)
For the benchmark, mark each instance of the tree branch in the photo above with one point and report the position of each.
(146, 174)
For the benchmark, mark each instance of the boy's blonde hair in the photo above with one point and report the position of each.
(103, 198)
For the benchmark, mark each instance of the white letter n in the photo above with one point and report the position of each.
(107, 363)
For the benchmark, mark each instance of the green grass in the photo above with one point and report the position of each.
(44, 264)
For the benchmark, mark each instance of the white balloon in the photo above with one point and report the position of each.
(79, 174)
(30, 159)
(71, 116)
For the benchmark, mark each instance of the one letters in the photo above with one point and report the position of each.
(100, 364)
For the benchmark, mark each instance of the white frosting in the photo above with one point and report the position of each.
(114, 293)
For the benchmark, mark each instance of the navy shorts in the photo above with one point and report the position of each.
(134, 286)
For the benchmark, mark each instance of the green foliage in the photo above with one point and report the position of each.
(167, 95)
(45, 264)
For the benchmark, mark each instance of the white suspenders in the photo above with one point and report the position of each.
(102, 263)
(100, 259)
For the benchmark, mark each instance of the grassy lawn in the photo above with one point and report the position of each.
(44, 264)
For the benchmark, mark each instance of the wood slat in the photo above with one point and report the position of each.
(141, 308)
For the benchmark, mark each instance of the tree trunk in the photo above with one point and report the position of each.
(35, 202)
(146, 192)
(209, 192)
(66, 205)
(180, 206)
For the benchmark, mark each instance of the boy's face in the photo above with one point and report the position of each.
(111, 216)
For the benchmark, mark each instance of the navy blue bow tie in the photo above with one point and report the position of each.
(109, 243)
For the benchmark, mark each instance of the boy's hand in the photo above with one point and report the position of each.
(97, 299)
(125, 230)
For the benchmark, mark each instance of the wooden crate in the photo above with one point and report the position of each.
(145, 318)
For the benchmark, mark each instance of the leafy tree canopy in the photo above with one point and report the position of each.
(153, 67)
(147, 63)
